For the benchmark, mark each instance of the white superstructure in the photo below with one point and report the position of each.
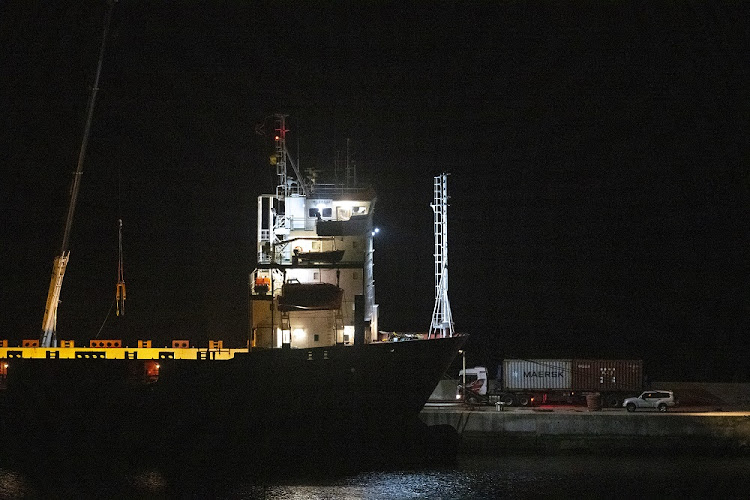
(313, 285)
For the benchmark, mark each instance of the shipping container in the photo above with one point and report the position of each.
(525, 382)
(537, 375)
(607, 375)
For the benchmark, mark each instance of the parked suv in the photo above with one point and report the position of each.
(660, 400)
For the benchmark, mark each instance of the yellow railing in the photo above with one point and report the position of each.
(102, 350)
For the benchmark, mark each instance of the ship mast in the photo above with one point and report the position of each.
(442, 320)
(285, 187)
(48, 337)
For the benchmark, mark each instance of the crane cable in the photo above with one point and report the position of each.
(120, 294)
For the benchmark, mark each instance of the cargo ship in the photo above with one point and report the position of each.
(315, 379)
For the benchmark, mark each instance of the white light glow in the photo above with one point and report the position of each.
(349, 332)
(299, 333)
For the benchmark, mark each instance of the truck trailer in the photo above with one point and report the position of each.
(526, 382)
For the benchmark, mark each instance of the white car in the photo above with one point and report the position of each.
(659, 400)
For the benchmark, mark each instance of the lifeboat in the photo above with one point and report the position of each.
(327, 257)
(310, 297)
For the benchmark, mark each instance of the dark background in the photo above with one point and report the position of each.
(598, 154)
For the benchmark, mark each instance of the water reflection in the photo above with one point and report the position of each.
(151, 481)
(538, 477)
(13, 485)
(470, 478)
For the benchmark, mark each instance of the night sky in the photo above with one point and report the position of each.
(598, 152)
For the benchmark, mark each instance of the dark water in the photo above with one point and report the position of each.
(470, 478)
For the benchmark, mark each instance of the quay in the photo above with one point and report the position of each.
(545, 430)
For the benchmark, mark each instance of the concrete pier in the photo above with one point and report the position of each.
(486, 430)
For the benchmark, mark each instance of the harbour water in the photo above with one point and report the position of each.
(472, 477)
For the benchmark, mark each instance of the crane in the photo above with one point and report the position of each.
(48, 337)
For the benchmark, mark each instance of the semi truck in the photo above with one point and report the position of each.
(527, 382)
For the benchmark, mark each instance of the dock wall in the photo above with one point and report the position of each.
(598, 432)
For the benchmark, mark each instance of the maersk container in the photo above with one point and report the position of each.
(537, 375)
(607, 375)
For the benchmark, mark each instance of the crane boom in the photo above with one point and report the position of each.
(48, 337)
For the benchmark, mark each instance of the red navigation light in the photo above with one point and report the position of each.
(277, 137)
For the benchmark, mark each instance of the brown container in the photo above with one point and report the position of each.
(607, 375)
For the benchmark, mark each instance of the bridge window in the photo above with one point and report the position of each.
(314, 213)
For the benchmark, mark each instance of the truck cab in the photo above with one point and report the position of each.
(472, 387)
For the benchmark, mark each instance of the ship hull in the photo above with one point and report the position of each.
(286, 405)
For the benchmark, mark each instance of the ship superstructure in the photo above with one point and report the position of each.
(313, 285)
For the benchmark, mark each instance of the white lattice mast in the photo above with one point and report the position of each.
(442, 320)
